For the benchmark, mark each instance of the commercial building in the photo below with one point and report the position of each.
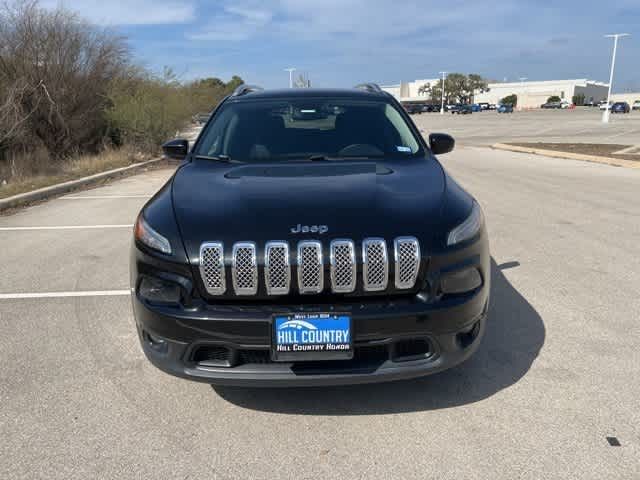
(410, 91)
(534, 94)
(630, 98)
(530, 94)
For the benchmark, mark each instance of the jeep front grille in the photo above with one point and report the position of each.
(244, 268)
(343, 266)
(212, 267)
(277, 272)
(310, 266)
(375, 264)
(407, 260)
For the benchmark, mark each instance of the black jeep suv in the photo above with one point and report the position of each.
(310, 237)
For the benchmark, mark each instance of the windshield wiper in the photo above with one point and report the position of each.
(217, 158)
(325, 158)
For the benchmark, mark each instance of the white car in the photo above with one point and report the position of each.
(636, 105)
(604, 106)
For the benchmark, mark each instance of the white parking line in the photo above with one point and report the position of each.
(83, 197)
(616, 135)
(63, 227)
(89, 293)
(632, 150)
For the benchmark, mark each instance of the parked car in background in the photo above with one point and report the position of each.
(604, 106)
(492, 106)
(620, 107)
(413, 108)
(505, 108)
(551, 105)
(462, 109)
(484, 105)
(476, 107)
(565, 104)
(636, 105)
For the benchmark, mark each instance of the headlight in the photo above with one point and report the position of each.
(152, 239)
(469, 228)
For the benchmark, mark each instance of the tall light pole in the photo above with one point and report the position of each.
(290, 70)
(522, 79)
(615, 36)
(442, 99)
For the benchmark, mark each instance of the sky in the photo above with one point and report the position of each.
(339, 43)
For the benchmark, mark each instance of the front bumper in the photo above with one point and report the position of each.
(395, 337)
(445, 351)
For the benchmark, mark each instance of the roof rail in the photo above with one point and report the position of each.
(244, 89)
(369, 87)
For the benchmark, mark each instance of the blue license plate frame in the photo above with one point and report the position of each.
(303, 337)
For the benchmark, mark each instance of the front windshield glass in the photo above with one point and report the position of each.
(307, 128)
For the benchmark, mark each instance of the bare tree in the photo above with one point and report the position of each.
(55, 70)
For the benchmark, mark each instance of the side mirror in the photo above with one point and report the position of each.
(440, 143)
(176, 149)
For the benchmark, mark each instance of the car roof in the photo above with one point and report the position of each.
(291, 93)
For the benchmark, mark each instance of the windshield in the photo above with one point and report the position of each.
(307, 128)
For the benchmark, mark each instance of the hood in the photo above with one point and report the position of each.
(262, 202)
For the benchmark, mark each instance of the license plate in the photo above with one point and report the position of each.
(311, 336)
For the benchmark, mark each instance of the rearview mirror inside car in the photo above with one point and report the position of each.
(176, 149)
(440, 143)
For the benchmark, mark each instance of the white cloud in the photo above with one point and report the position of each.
(250, 15)
(234, 23)
(364, 21)
(129, 12)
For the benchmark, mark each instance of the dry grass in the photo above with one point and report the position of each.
(42, 174)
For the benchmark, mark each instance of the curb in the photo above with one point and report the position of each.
(65, 187)
(617, 162)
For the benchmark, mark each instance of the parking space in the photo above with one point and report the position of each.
(580, 125)
(554, 377)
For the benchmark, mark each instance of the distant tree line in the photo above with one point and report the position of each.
(509, 100)
(69, 87)
(458, 88)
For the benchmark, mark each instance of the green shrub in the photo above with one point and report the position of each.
(146, 110)
(510, 100)
(578, 99)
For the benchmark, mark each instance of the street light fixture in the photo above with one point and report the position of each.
(442, 99)
(290, 70)
(615, 36)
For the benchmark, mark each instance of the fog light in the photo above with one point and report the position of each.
(460, 281)
(156, 290)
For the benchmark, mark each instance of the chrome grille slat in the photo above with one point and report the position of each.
(212, 267)
(407, 260)
(375, 264)
(277, 270)
(343, 266)
(244, 268)
(310, 267)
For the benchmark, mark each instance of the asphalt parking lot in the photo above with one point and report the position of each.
(554, 377)
(580, 125)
